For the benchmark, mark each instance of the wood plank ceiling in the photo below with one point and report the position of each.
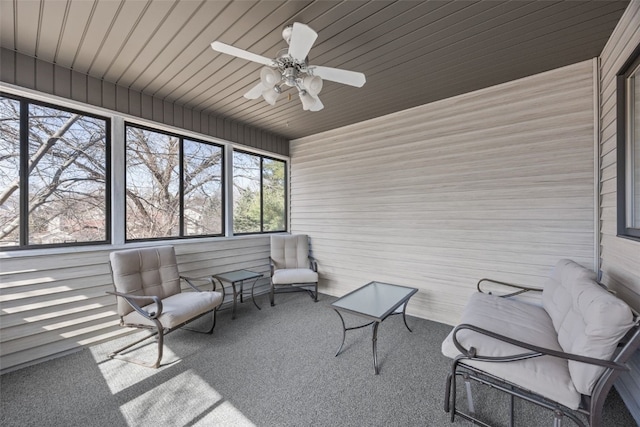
(412, 52)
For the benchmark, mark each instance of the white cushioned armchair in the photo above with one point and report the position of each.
(149, 295)
(292, 266)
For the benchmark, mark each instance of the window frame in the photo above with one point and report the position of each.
(181, 222)
(286, 194)
(23, 174)
(623, 145)
(115, 228)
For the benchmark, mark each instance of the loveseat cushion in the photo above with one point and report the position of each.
(178, 309)
(589, 321)
(545, 375)
(144, 271)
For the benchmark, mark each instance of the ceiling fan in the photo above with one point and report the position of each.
(291, 69)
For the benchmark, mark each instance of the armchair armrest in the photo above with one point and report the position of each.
(313, 263)
(136, 300)
(535, 351)
(272, 266)
(520, 288)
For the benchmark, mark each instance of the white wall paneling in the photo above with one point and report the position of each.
(620, 257)
(495, 183)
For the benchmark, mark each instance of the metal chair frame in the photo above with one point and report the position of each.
(293, 287)
(590, 407)
(158, 330)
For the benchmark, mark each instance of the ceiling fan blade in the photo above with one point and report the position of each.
(255, 92)
(317, 106)
(302, 38)
(240, 53)
(351, 78)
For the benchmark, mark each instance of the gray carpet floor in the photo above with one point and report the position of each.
(273, 367)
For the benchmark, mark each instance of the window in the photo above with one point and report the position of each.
(56, 189)
(54, 175)
(259, 194)
(174, 186)
(628, 148)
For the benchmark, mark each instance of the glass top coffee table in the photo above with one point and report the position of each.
(374, 301)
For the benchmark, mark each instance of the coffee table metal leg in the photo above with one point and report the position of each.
(345, 329)
(235, 298)
(404, 317)
(344, 332)
(252, 298)
(375, 353)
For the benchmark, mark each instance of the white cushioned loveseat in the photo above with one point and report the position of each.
(564, 354)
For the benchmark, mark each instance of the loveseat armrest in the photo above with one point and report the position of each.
(136, 300)
(190, 281)
(520, 288)
(535, 351)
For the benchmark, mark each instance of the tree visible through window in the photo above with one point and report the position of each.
(53, 175)
(55, 181)
(203, 201)
(273, 195)
(166, 198)
(259, 194)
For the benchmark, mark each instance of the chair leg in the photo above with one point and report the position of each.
(271, 295)
(447, 393)
(453, 386)
(316, 293)
(511, 410)
(159, 333)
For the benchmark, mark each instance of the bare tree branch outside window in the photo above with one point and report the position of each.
(153, 186)
(67, 179)
(67, 176)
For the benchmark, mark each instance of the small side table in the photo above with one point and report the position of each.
(238, 276)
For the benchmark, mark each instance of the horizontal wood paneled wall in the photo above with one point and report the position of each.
(496, 183)
(32, 73)
(620, 258)
(55, 302)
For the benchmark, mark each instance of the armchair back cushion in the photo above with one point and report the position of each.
(144, 272)
(290, 251)
(589, 320)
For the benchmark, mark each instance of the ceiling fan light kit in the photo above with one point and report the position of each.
(291, 69)
(271, 95)
(312, 84)
(269, 77)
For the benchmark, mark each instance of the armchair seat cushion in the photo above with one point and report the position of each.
(177, 309)
(291, 276)
(546, 375)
